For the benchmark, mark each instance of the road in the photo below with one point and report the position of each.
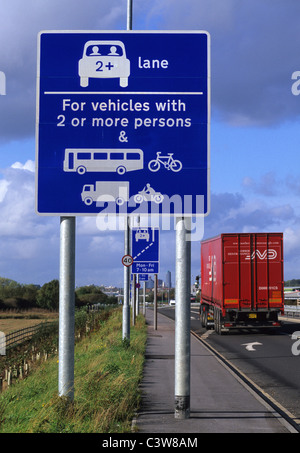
(265, 357)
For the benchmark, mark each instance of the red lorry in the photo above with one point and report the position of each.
(241, 281)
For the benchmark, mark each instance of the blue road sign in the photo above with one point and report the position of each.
(145, 250)
(142, 277)
(123, 122)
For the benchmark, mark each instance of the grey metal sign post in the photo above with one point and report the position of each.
(127, 273)
(182, 319)
(137, 297)
(133, 298)
(144, 298)
(66, 308)
(155, 302)
(126, 305)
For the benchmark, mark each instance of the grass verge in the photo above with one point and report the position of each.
(108, 371)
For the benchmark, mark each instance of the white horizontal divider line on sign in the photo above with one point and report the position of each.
(125, 92)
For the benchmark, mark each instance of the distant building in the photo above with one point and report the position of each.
(150, 283)
(168, 280)
(159, 283)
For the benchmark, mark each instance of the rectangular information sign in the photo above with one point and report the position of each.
(123, 122)
(145, 250)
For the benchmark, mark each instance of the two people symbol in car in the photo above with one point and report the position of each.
(95, 51)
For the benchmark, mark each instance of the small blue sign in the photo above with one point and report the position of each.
(145, 250)
(142, 277)
(123, 123)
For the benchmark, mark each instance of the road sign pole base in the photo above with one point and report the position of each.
(182, 407)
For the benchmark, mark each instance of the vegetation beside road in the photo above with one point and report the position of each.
(17, 296)
(108, 371)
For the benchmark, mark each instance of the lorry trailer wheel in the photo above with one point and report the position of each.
(203, 316)
(218, 321)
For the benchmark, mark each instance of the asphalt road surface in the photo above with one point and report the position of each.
(269, 358)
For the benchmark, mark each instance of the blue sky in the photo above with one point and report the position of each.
(255, 129)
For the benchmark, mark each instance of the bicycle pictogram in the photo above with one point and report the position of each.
(167, 161)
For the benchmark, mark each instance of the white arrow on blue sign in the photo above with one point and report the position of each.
(123, 122)
(145, 250)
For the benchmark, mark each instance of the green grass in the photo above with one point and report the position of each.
(107, 376)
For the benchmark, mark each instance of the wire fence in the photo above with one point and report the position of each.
(19, 336)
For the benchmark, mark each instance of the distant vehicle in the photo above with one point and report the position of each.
(104, 60)
(242, 281)
(172, 302)
(105, 191)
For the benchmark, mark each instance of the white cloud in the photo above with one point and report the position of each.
(292, 242)
(249, 85)
(268, 184)
(235, 214)
(3, 189)
(29, 165)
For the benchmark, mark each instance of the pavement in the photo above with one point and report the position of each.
(219, 402)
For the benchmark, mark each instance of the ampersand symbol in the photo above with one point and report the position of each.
(123, 137)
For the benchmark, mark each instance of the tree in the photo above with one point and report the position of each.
(9, 288)
(92, 294)
(293, 282)
(30, 293)
(48, 295)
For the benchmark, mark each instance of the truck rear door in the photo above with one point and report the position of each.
(253, 271)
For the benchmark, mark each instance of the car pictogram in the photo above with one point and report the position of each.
(104, 59)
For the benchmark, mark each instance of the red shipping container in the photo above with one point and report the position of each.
(242, 280)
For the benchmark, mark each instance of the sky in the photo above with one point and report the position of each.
(255, 130)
